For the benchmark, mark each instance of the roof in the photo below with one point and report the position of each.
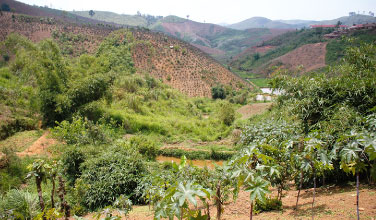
(327, 26)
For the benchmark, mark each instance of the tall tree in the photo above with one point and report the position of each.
(91, 13)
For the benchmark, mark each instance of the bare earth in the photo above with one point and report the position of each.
(39, 147)
(248, 111)
(333, 203)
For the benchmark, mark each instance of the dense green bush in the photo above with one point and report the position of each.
(82, 131)
(12, 170)
(145, 146)
(71, 161)
(227, 113)
(269, 204)
(118, 171)
(218, 92)
(22, 204)
(196, 155)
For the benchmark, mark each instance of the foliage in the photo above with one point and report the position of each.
(71, 161)
(82, 131)
(12, 170)
(145, 146)
(116, 172)
(319, 99)
(5, 7)
(227, 114)
(218, 92)
(21, 202)
(196, 155)
(270, 204)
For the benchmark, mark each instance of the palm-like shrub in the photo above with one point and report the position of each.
(22, 203)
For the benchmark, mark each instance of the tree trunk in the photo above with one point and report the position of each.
(53, 191)
(251, 211)
(357, 195)
(314, 190)
(38, 181)
(218, 201)
(64, 205)
(208, 210)
(181, 213)
(323, 179)
(300, 187)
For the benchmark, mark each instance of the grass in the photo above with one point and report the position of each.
(257, 79)
(215, 147)
(21, 140)
(196, 155)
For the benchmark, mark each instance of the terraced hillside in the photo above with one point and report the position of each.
(22, 8)
(307, 57)
(75, 38)
(178, 64)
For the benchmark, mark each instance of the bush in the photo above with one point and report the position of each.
(5, 7)
(196, 155)
(227, 114)
(145, 146)
(82, 131)
(117, 172)
(269, 205)
(22, 203)
(72, 160)
(12, 171)
(218, 92)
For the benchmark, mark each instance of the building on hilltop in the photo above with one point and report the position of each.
(329, 26)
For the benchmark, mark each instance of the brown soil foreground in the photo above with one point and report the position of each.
(331, 203)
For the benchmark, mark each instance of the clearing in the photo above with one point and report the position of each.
(331, 203)
(248, 111)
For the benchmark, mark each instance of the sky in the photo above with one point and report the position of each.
(220, 11)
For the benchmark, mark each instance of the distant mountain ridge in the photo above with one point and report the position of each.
(261, 22)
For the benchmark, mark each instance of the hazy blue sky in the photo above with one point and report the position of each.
(217, 11)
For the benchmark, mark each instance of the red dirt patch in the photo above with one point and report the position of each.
(39, 147)
(334, 203)
(309, 56)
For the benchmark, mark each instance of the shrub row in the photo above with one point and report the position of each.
(196, 155)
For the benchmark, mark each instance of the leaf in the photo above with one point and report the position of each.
(258, 189)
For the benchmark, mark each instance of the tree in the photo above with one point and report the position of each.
(5, 7)
(218, 92)
(91, 13)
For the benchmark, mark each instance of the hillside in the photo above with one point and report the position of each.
(218, 41)
(307, 58)
(180, 65)
(50, 13)
(123, 19)
(260, 22)
(225, 41)
(183, 66)
(351, 20)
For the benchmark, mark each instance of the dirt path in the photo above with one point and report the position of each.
(334, 203)
(39, 147)
(248, 111)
